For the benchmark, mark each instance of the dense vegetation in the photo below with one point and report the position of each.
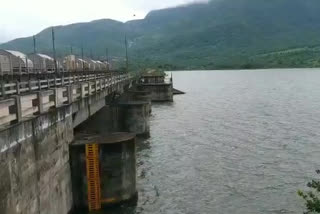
(221, 34)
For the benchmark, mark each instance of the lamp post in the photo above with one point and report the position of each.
(107, 58)
(54, 51)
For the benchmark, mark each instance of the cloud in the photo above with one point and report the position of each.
(23, 18)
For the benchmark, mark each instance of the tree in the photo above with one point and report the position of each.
(312, 197)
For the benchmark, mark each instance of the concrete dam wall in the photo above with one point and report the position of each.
(34, 162)
(35, 152)
(35, 155)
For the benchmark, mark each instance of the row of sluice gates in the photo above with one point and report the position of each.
(15, 62)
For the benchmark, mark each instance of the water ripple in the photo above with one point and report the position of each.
(238, 142)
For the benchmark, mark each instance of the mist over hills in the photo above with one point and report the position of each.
(218, 34)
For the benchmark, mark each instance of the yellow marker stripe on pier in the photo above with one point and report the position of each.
(93, 177)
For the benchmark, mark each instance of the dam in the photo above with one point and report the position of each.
(42, 124)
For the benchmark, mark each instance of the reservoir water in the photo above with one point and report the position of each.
(237, 142)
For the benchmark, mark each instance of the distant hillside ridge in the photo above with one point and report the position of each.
(214, 35)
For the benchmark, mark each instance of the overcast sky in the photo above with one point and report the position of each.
(22, 18)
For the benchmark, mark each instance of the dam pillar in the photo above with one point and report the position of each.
(103, 170)
(141, 96)
(133, 116)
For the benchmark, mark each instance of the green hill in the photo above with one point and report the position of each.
(220, 34)
(95, 36)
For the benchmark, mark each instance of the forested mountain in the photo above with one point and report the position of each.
(218, 34)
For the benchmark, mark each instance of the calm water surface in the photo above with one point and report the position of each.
(237, 142)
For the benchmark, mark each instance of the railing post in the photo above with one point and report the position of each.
(30, 85)
(18, 108)
(56, 97)
(69, 79)
(83, 90)
(81, 93)
(39, 84)
(3, 89)
(70, 93)
(48, 82)
(18, 87)
(40, 102)
(89, 88)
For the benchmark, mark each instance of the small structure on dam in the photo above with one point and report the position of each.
(159, 85)
(103, 170)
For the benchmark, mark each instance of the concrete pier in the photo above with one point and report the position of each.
(117, 169)
(134, 117)
(141, 96)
